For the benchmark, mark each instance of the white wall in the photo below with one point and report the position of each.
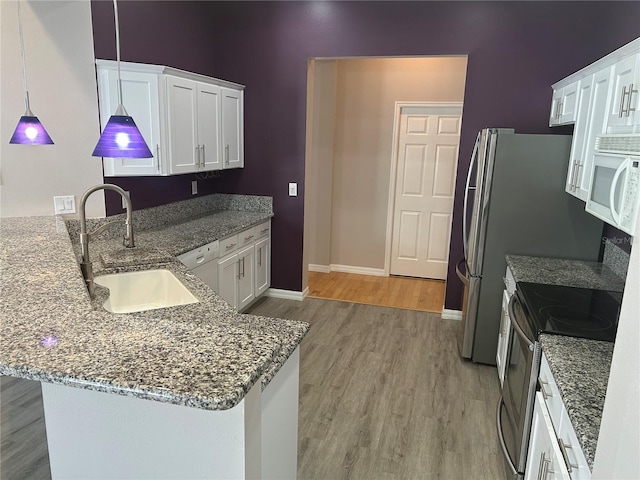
(366, 92)
(58, 40)
(619, 440)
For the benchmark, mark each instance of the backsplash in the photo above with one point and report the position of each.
(616, 258)
(176, 212)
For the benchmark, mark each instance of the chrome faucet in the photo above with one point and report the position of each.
(85, 264)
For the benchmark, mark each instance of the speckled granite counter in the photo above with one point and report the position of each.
(570, 273)
(202, 355)
(581, 369)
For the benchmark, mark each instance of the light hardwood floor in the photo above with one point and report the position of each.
(400, 292)
(383, 395)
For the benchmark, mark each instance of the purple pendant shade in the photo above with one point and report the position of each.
(121, 139)
(30, 131)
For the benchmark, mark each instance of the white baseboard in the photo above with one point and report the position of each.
(287, 294)
(451, 314)
(378, 272)
(319, 268)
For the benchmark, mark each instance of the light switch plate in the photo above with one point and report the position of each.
(64, 204)
(293, 189)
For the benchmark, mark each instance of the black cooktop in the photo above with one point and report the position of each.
(576, 312)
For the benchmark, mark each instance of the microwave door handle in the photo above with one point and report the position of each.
(467, 187)
(614, 183)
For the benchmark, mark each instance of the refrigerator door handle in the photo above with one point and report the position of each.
(463, 278)
(467, 188)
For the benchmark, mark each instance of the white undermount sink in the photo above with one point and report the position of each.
(146, 290)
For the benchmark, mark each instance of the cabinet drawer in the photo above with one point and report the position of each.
(572, 451)
(550, 392)
(263, 230)
(228, 245)
(246, 237)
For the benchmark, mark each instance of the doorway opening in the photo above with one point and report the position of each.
(351, 147)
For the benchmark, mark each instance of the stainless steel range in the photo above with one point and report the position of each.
(534, 309)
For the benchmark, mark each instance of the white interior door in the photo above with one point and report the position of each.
(427, 156)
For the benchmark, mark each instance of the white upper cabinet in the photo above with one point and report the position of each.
(233, 127)
(601, 98)
(193, 120)
(623, 111)
(564, 105)
(141, 97)
(190, 122)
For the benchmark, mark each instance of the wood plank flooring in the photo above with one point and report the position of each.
(383, 395)
(399, 292)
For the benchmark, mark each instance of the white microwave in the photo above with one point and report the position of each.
(614, 191)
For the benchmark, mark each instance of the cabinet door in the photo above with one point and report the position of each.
(623, 110)
(140, 95)
(228, 279)
(564, 105)
(544, 459)
(246, 277)
(263, 265)
(232, 128)
(579, 143)
(209, 111)
(181, 124)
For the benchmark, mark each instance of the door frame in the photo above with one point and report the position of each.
(399, 106)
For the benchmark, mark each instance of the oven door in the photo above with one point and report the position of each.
(516, 403)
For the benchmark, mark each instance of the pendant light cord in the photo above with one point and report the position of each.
(24, 62)
(115, 10)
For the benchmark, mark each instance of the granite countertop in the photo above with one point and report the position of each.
(202, 355)
(580, 368)
(570, 273)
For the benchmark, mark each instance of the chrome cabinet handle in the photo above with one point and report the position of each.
(260, 257)
(197, 155)
(574, 179)
(542, 475)
(565, 455)
(246, 239)
(622, 110)
(545, 395)
(157, 157)
(231, 245)
(243, 266)
(203, 157)
(631, 92)
(226, 154)
(238, 263)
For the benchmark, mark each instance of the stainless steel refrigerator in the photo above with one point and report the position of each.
(515, 203)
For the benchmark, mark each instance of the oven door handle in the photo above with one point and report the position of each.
(503, 445)
(514, 323)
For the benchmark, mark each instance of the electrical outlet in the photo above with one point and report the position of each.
(293, 189)
(194, 187)
(64, 204)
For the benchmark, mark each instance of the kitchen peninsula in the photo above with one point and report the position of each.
(189, 391)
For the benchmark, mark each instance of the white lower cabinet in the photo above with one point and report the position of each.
(544, 460)
(563, 443)
(244, 268)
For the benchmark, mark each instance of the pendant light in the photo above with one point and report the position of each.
(29, 130)
(121, 137)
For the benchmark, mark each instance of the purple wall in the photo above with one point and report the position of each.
(516, 51)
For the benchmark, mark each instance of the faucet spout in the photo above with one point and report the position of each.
(86, 265)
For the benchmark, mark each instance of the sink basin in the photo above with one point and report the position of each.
(145, 290)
